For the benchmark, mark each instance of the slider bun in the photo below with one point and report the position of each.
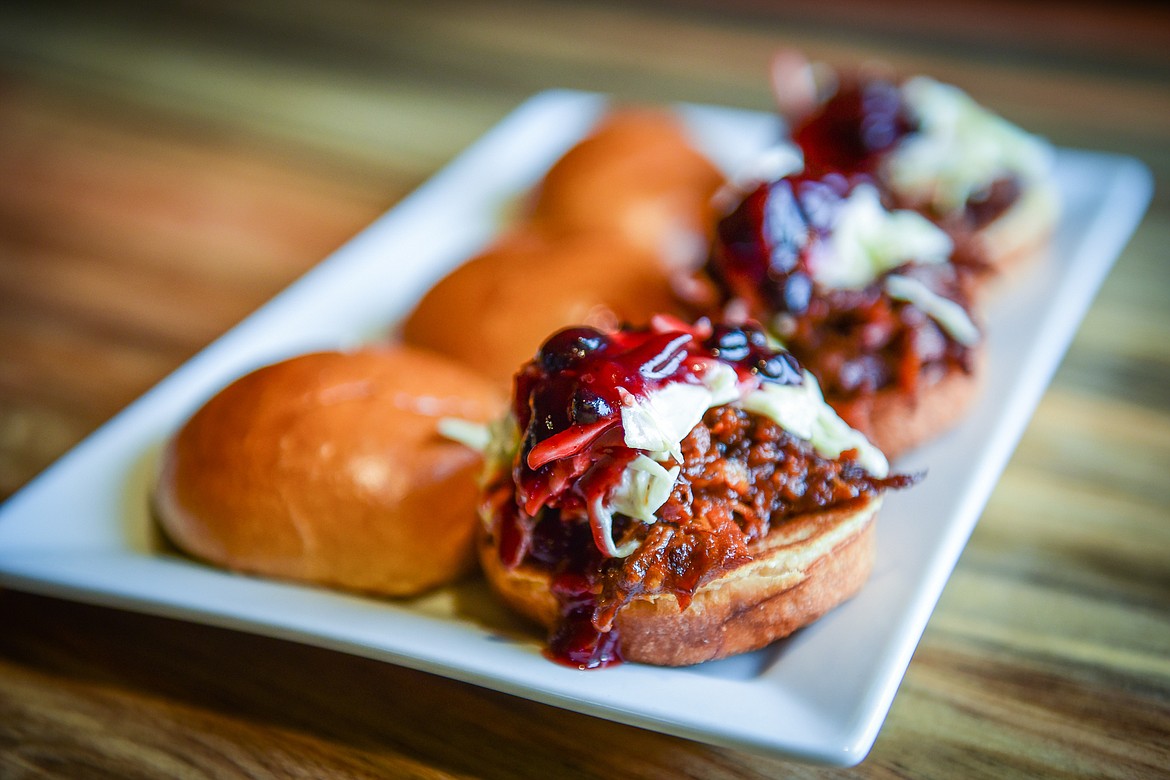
(803, 568)
(328, 468)
(492, 313)
(637, 177)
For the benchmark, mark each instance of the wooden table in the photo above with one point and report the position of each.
(166, 168)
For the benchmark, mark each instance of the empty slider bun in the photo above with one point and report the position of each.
(637, 177)
(329, 468)
(491, 313)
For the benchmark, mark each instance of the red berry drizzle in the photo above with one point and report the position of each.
(567, 406)
(848, 134)
(763, 248)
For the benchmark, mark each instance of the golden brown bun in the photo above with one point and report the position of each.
(492, 313)
(636, 177)
(803, 568)
(896, 422)
(328, 468)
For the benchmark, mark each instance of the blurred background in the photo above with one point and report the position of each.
(166, 167)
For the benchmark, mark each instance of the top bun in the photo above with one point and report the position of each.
(329, 468)
(492, 313)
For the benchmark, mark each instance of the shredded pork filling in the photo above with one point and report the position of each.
(740, 475)
(858, 342)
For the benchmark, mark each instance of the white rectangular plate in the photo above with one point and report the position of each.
(82, 531)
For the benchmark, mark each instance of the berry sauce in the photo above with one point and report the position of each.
(764, 248)
(864, 119)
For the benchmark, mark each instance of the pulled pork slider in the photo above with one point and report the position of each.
(868, 299)
(930, 147)
(329, 468)
(636, 177)
(674, 494)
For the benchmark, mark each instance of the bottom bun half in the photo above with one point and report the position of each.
(802, 569)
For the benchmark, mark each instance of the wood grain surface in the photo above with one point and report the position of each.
(167, 167)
